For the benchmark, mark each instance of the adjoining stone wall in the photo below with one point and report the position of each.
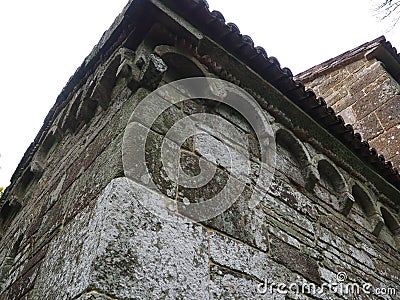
(79, 229)
(367, 97)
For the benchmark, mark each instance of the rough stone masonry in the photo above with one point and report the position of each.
(325, 225)
(362, 85)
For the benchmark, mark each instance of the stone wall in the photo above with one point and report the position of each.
(367, 97)
(84, 156)
(74, 226)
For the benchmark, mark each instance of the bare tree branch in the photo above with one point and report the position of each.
(388, 10)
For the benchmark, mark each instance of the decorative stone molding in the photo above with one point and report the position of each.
(392, 223)
(331, 175)
(37, 168)
(152, 70)
(368, 204)
(396, 236)
(9, 210)
(127, 65)
(105, 81)
(312, 177)
(182, 58)
(291, 143)
(346, 201)
(377, 223)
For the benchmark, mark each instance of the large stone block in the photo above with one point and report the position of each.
(370, 127)
(340, 99)
(228, 284)
(121, 249)
(243, 221)
(378, 95)
(295, 260)
(387, 143)
(389, 113)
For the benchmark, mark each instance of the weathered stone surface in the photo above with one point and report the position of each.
(195, 106)
(228, 284)
(155, 166)
(366, 76)
(295, 260)
(288, 164)
(209, 185)
(225, 154)
(374, 99)
(344, 250)
(126, 252)
(248, 266)
(80, 194)
(388, 142)
(234, 117)
(243, 258)
(23, 285)
(370, 127)
(94, 295)
(61, 266)
(243, 221)
(396, 161)
(349, 115)
(80, 233)
(339, 100)
(367, 97)
(292, 200)
(389, 113)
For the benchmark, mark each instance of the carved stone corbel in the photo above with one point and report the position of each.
(38, 163)
(105, 82)
(127, 65)
(152, 69)
(346, 201)
(312, 177)
(37, 168)
(377, 223)
(396, 236)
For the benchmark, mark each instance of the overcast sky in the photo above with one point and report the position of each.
(43, 42)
